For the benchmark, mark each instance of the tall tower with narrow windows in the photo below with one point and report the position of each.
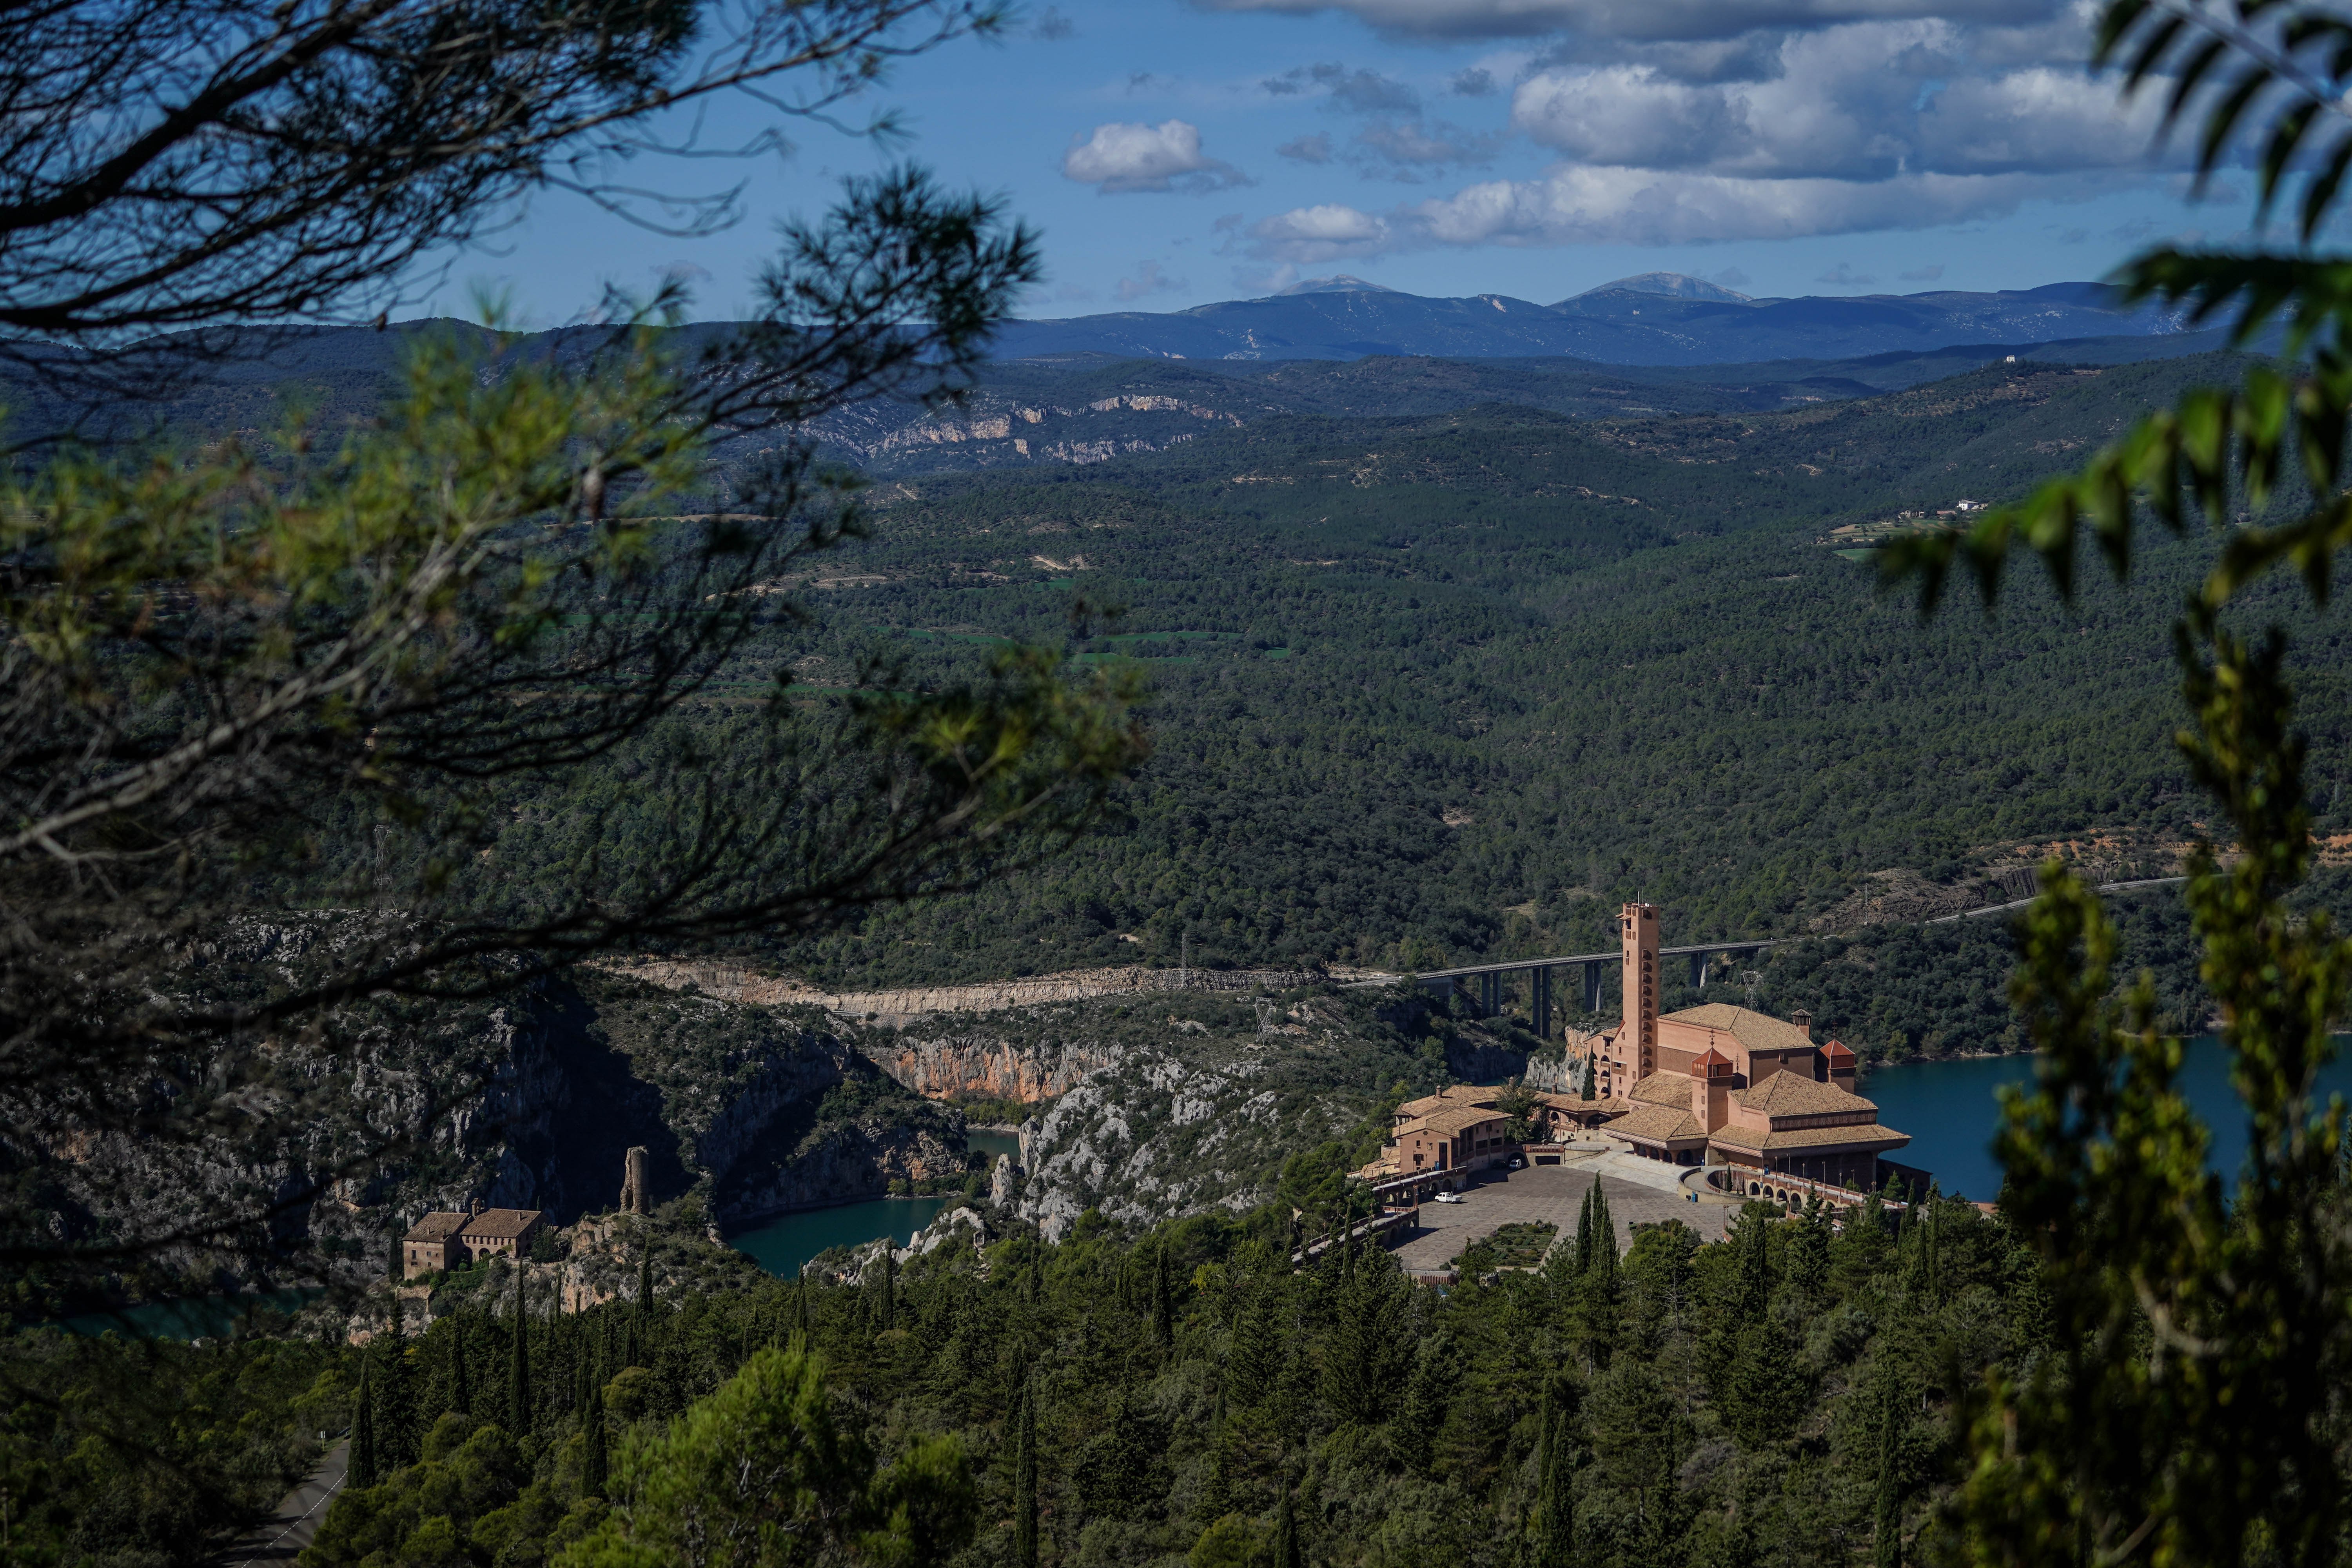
(1637, 1035)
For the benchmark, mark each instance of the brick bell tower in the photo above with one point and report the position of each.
(1637, 931)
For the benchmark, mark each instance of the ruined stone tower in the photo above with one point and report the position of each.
(634, 1197)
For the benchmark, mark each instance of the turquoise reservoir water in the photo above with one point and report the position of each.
(781, 1246)
(1950, 1112)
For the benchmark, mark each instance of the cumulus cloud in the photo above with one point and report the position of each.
(1323, 233)
(1866, 102)
(1636, 18)
(1689, 121)
(1475, 83)
(1843, 276)
(1119, 157)
(1315, 149)
(1576, 205)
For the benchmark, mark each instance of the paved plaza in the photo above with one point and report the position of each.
(1639, 1192)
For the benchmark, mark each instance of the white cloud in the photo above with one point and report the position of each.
(1582, 206)
(1324, 233)
(1658, 19)
(1315, 149)
(1676, 121)
(1120, 157)
(1861, 102)
(2038, 118)
(1574, 206)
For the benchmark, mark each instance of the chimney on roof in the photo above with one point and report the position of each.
(477, 1206)
(1803, 1020)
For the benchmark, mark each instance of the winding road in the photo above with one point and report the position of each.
(284, 1533)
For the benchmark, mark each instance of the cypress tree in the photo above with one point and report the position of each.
(1920, 1250)
(1163, 1309)
(1216, 1499)
(889, 1309)
(801, 1311)
(1752, 1283)
(461, 1393)
(1887, 1544)
(1287, 1552)
(396, 1401)
(1604, 1234)
(593, 1464)
(1585, 1230)
(519, 1368)
(1555, 1522)
(1809, 1253)
(639, 1334)
(363, 1456)
(1024, 1480)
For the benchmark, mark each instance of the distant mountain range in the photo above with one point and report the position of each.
(1657, 318)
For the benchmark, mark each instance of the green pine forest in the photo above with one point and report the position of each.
(1433, 688)
(1180, 1397)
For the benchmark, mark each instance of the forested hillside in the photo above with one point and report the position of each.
(1444, 660)
(1433, 690)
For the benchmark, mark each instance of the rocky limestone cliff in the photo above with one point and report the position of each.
(990, 1065)
(1208, 1096)
(529, 1103)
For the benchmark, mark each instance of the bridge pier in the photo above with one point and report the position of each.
(1490, 995)
(1596, 977)
(1539, 1004)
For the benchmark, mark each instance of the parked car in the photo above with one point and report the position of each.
(1518, 1164)
(1449, 1198)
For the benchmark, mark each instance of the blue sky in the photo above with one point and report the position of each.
(1173, 153)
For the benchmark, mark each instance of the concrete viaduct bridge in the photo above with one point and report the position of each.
(1485, 995)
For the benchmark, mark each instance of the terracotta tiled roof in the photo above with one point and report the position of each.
(1793, 1094)
(1664, 1088)
(1862, 1135)
(1836, 1051)
(1757, 1031)
(1452, 1119)
(1453, 1094)
(1711, 1058)
(1658, 1123)
(499, 1225)
(438, 1225)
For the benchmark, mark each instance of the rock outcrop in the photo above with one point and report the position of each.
(990, 1067)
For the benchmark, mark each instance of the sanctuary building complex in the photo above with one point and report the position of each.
(1714, 1085)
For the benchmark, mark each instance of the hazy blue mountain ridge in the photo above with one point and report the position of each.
(1629, 322)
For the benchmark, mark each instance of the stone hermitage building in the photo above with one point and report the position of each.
(445, 1239)
(1715, 1085)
